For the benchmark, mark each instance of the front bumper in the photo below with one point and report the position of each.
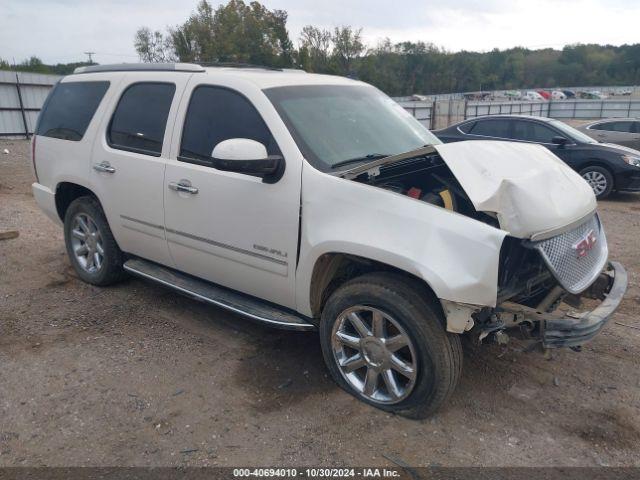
(573, 332)
(575, 329)
(628, 181)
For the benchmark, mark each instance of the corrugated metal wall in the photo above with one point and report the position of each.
(21, 98)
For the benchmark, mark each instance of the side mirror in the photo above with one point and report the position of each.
(559, 140)
(243, 155)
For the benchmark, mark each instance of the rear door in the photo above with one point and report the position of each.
(129, 159)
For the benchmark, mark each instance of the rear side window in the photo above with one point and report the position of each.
(491, 128)
(69, 109)
(140, 119)
(216, 114)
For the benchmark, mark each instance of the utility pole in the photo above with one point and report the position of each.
(90, 56)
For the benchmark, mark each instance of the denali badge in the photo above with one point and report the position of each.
(584, 246)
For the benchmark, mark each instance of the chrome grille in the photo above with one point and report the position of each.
(561, 253)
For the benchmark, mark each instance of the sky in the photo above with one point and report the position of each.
(60, 31)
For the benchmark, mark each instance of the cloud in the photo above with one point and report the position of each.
(61, 30)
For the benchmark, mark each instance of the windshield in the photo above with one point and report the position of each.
(335, 123)
(571, 132)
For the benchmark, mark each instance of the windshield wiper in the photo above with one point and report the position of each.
(370, 156)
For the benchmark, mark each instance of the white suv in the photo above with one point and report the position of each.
(316, 202)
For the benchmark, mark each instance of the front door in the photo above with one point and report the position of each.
(230, 228)
(128, 162)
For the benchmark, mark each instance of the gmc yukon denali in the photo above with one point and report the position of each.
(313, 202)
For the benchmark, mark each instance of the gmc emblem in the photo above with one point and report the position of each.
(584, 246)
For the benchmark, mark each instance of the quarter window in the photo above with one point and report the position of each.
(466, 127)
(69, 109)
(216, 114)
(140, 119)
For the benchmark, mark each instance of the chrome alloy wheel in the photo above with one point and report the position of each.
(596, 180)
(374, 354)
(86, 243)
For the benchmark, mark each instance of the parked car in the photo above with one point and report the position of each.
(592, 95)
(558, 95)
(532, 96)
(312, 202)
(621, 131)
(513, 94)
(478, 96)
(570, 94)
(544, 94)
(605, 167)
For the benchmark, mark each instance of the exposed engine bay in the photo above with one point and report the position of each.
(429, 179)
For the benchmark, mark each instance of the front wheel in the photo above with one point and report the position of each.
(599, 179)
(384, 342)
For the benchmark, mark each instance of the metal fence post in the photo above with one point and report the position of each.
(432, 117)
(24, 116)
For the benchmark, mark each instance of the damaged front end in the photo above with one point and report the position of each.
(559, 291)
(554, 259)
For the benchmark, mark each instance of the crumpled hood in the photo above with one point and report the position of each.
(529, 189)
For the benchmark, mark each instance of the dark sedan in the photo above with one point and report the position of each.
(604, 166)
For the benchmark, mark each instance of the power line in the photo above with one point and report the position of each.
(90, 56)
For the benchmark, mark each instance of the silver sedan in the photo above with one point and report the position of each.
(621, 131)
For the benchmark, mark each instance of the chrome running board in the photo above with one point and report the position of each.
(236, 302)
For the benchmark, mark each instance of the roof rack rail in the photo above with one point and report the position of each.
(141, 67)
(239, 65)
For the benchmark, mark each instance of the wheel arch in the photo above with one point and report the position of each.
(333, 269)
(67, 192)
(595, 162)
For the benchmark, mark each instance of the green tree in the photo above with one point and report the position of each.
(316, 43)
(347, 47)
(233, 32)
(153, 46)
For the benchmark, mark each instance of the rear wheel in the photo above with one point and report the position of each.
(384, 342)
(93, 251)
(600, 180)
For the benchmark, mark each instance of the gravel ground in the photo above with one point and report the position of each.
(138, 375)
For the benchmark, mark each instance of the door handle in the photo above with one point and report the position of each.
(104, 167)
(183, 186)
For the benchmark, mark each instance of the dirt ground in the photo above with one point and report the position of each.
(138, 375)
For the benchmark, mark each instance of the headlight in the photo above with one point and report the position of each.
(632, 160)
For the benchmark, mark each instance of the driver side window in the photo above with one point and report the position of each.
(533, 132)
(216, 114)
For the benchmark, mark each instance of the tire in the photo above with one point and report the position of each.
(109, 269)
(408, 309)
(600, 180)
